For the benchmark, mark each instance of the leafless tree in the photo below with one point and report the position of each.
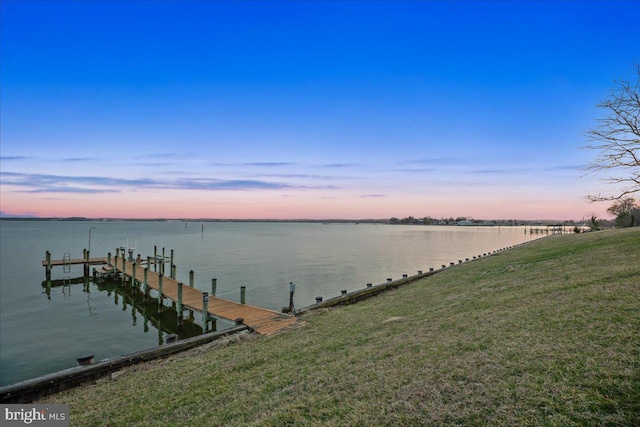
(616, 139)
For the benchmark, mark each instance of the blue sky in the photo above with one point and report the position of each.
(327, 109)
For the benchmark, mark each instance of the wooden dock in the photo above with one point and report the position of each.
(263, 321)
(76, 261)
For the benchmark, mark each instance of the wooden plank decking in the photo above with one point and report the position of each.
(263, 321)
(75, 261)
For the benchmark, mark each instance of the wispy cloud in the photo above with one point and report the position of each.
(221, 184)
(268, 164)
(490, 171)
(433, 161)
(372, 196)
(77, 159)
(415, 170)
(14, 158)
(300, 176)
(501, 171)
(565, 168)
(254, 164)
(47, 183)
(340, 165)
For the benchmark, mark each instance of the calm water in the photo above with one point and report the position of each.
(42, 333)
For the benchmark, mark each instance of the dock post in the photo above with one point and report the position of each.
(162, 264)
(214, 285)
(160, 296)
(155, 258)
(292, 289)
(173, 271)
(133, 275)
(205, 311)
(86, 263)
(179, 308)
(191, 278)
(109, 258)
(47, 257)
(243, 292)
(146, 286)
(124, 268)
(48, 266)
(172, 259)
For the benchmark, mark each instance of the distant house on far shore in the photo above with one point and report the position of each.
(465, 222)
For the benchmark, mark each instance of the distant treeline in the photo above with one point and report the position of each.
(407, 220)
(480, 222)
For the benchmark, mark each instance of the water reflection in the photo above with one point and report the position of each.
(152, 313)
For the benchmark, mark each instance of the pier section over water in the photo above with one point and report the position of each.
(261, 320)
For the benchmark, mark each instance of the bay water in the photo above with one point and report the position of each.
(43, 332)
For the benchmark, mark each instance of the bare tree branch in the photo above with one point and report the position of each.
(616, 139)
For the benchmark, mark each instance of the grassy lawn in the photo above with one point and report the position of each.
(544, 334)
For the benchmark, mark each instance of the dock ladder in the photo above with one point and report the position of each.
(67, 262)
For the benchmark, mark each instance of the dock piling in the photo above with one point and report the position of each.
(48, 268)
(191, 278)
(205, 311)
(243, 292)
(133, 275)
(292, 289)
(179, 308)
(214, 285)
(86, 263)
(160, 296)
(145, 286)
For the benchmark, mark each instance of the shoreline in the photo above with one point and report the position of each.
(36, 388)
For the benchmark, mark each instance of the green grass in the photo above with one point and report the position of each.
(546, 334)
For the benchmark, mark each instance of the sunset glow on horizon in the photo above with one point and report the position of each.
(306, 110)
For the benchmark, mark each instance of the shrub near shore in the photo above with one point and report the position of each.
(544, 334)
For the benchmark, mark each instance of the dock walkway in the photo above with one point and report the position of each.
(263, 321)
(76, 261)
